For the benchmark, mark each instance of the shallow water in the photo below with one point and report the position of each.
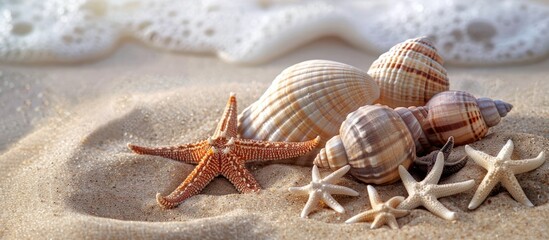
(246, 31)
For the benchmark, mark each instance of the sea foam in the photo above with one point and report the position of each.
(245, 31)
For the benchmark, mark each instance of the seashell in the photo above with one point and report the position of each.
(409, 74)
(310, 98)
(375, 140)
(456, 114)
(461, 115)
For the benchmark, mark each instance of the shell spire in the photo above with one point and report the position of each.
(332, 155)
(493, 110)
(503, 107)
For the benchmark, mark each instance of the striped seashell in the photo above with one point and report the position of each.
(461, 115)
(409, 74)
(374, 140)
(456, 114)
(310, 98)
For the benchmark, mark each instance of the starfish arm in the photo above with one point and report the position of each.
(300, 190)
(522, 166)
(453, 188)
(309, 206)
(187, 153)
(434, 175)
(447, 148)
(363, 217)
(453, 167)
(202, 174)
(434, 206)
(315, 175)
(425, 163)
(407, 179)
(335, 189)
(509, 181)
(336, 175)
(392, 222)
(393, 204)
(375, 199)
(479, 157)
(332, 203)
(238, 175)
(409, 203)
(248, 149)
(487, 184)
(430, 158)
(380, 220)
(506, 151)
(427, 159)
(227, 126)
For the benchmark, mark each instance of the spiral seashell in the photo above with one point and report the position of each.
(310, 98)
(456, 114)
(461, 115)
(374, 140)
(409, 74)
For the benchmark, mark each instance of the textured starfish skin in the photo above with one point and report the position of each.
(322, 189)
(425, 164)
(223, 154)
(502, 169)
(381, 212)
(427, 192)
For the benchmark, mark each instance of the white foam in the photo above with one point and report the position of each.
(246, 31)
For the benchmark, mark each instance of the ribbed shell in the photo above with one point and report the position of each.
(409, 74)
(460, 114)
(374, 141)
(306, 100)
(415, 119)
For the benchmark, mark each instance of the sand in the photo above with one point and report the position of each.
(66, 172)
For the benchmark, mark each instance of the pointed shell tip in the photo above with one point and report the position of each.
(503, 107)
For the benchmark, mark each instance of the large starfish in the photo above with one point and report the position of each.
(427, 192)
(223, 154)
(322, 189)
(502, 169)
(381, 212)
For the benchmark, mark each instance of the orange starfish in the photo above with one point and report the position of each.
(223, 154)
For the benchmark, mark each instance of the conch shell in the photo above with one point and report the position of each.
(376, 139)
(306, 100)
(409, 74)
(461, 115)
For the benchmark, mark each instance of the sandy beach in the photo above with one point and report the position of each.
(66, 171)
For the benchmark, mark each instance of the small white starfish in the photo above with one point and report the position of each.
(322, 189)
(381, 212)
(427, 192)
(502, 169)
